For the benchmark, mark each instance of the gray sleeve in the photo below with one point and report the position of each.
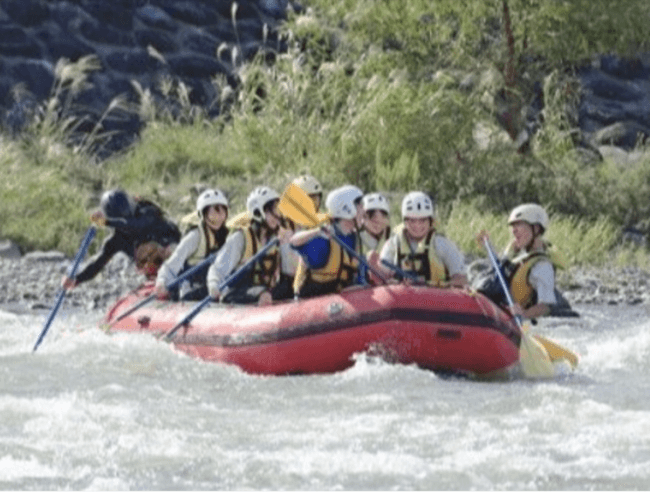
(389, 250)
(289, 258)
(228, 258)
(174, 264)
(450, 256)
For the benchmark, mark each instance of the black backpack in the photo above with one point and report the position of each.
(487, 282)
(159, 228)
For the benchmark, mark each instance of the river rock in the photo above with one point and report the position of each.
(615, 100)
(9, 250)
(44, 256)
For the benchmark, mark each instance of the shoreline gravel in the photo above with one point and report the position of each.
(32, 282)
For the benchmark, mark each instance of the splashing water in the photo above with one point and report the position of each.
(95, 412)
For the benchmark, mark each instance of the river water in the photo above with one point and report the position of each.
(89, 411)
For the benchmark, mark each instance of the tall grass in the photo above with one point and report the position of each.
(580, 242)
(389, 95)
(40, 203)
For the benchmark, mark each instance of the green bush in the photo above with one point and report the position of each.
(390, 95)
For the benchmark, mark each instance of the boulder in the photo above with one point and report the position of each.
(45, 256)
(9, 250)
(614, 108)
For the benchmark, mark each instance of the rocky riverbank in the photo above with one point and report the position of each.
(32, 282)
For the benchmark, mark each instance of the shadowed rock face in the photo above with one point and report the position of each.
(615, 101)
(134, 40)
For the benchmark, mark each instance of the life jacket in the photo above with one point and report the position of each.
(424, 260)
(522, 263)
(265, 270)
(338, 273)
(239, 221)
(368, 239)
(209, 242)
(189, 222)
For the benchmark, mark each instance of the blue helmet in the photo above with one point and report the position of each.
(116, 204)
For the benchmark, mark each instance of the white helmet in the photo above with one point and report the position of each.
(341, 202)
(530, 213)
(210, 197)
(376, 201)
(258, 199)
(355, 190)
(308, 184)
(417, 205)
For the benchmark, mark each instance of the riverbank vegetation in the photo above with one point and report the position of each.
(392, 95)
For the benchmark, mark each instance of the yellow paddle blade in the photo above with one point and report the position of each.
(297, 206)
(323, 218)
(533, 358)
(557, 352)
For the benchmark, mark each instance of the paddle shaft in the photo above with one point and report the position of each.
(169, 286)
(353, 253)
(85, 243)
(228, 281)
(398, 270)
(502, 281)
(188, 317)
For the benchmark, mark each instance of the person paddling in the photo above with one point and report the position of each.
(198, 243)
(325, 266)
(140, 230)
(417, 247)
(289, 256)
(256, 284)
(530, 262)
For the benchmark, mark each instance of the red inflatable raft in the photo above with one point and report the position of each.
(438, 329)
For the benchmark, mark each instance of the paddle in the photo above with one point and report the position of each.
(169, 286)
(556, 351)
(405, 274)
(299, 207)
(90, 234)
(534, 359)
(228, 281)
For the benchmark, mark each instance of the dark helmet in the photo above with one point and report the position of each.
(116, 204)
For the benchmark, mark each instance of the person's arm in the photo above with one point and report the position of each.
(289, 258)
(170, 269)
(228, 258)
(389, 254)
(453, 260)
(389, 250)
(114, 243)
(536, 311)
(303, 237)
(315, 252)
